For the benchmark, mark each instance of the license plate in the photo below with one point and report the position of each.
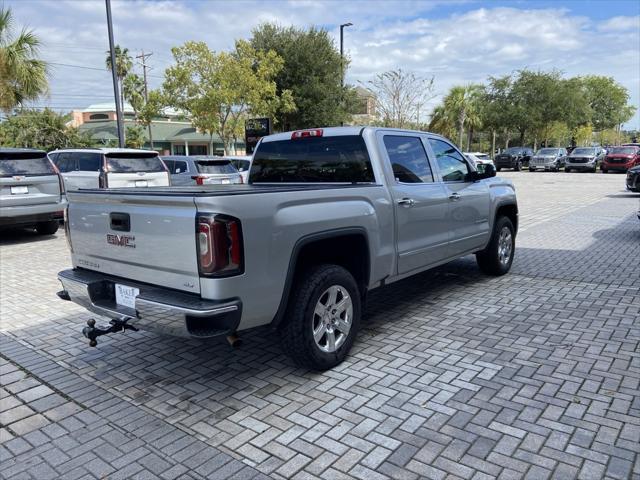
(226, 181)
(141, 183)
(19, 190)
(126, 296)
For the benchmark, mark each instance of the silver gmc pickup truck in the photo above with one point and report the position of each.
(328, 215)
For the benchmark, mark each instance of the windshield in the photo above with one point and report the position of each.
(313, 159)
(583, 151)
(219, 167)
(623, 150)
(547, 151)
(513, 150)
(136, 162)
(31, 164)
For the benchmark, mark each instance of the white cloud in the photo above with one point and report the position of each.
(456, 47)
(620, 24)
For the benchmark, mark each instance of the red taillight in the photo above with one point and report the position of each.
(219, 245)
(199, 179)
(316, 132)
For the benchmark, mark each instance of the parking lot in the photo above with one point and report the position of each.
(535, 374)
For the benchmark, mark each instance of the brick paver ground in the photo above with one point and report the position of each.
(455, 375)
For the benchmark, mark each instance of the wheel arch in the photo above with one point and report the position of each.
(321, 247)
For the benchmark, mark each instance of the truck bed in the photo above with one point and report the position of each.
(224, 190)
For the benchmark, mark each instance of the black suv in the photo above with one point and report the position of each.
(513, 157)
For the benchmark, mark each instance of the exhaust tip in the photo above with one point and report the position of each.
(234, 340)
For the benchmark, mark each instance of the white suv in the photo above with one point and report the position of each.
(110, 168)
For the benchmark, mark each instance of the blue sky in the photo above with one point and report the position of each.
(457, 41)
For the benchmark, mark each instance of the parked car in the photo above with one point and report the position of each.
(586, 159)
(243, 165)
(110, 168)
(513, 157)
(621, 159)
(328, 215)
(633, 179)
(479, 158)
(549, 159)
(31, 191)
(201, 170)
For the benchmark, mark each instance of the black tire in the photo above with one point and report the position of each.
(603, 170)
(297, 335)
(518, 166)
(498, 169)
(489, 258)
(567, 170)
(532, 169)
(47, 228)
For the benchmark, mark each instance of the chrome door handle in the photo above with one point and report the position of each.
(454, 196)
(407, 202)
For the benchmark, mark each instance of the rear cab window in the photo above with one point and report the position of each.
(28, 164)
(408, 159)
(331, 159)
(133, 162)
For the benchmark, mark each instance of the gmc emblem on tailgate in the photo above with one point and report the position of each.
(121, 240)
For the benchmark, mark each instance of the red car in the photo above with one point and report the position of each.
(621, 158)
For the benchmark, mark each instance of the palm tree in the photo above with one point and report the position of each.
(124, 64)
(23, 76)
(462, 102)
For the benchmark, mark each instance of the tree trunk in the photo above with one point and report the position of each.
(493, 143)
(460, 135)
(469, 136)
(522, 138)
(535, 144)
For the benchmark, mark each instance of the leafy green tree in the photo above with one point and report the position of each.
(135, 136)
(461, 109)
(311, 72)
(23, 76)
(496, 108)
(133, 91)
(608, 101)
(124, 64)
(44, 129)
(218, 90)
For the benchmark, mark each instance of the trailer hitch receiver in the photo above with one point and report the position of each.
(92, 332)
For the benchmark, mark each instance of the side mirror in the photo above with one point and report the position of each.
(486, 170)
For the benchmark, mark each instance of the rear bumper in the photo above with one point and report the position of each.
(32, 214)
(157, 309)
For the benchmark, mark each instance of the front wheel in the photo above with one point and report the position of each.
(323, 317)
(47, 228)
(497, 257)
(518, 166)
(603, 170)
(498, 169)
(567, 170)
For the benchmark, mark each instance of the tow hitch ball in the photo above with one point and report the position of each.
(92, 332)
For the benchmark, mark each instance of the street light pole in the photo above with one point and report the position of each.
(342, 51)
(342, 62)
(114, 75)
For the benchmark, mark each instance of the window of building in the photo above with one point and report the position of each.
(98, 116)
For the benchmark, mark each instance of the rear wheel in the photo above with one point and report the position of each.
(323, 317)
(47, 228)
(497, 257)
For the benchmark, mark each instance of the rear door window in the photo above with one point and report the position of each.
(408, 159)
(25, 164)
(340, 159)
(133, 162)
(215, 167)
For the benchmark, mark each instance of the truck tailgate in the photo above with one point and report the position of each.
(148, 239)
